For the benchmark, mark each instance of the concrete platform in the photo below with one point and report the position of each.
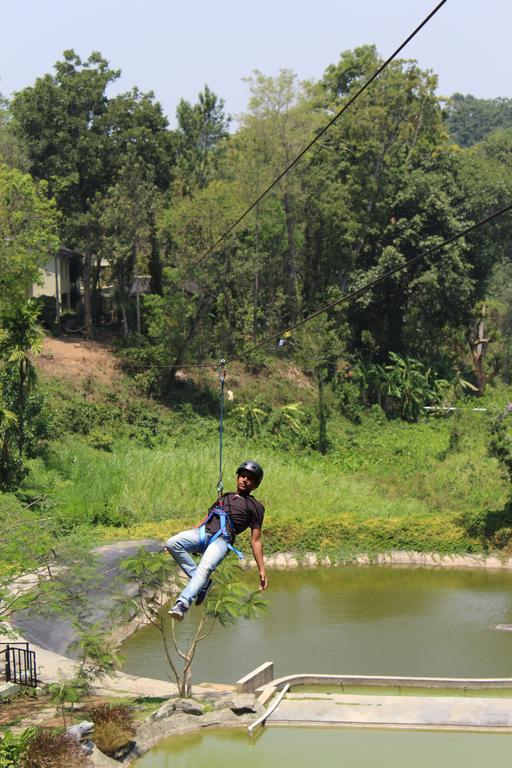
(451, 712)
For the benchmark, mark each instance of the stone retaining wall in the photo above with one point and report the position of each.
(290, 560)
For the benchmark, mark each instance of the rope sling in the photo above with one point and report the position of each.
(227, 528)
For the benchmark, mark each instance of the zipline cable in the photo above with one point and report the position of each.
(343, 299)
(373, 283)
(313, 141)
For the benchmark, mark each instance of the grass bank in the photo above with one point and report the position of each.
(429, 486)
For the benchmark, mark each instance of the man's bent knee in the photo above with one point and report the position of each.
(174, 544)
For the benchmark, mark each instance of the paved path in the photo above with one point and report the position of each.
(50, 638)
(53, 667)
(56, 633)
(456, 712)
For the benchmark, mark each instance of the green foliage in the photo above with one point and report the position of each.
(287, 419)
(202, 128)
(154, 577)
(100, 440)
(500, 444)
(403, 387)
(13, 748)
(110, 737)
(68, 692)
(229, 599)
(251, 418)
(28, 224)
(470, 120)
(349, 398)
(25, 422)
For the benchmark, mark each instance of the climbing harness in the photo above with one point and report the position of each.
(226, 524)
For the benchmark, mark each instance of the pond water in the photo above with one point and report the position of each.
(304, 747)
(356, 620)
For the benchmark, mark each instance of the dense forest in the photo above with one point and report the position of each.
(400, 172)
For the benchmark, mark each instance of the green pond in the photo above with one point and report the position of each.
(303, 748)
(349, 620)
(356, 620)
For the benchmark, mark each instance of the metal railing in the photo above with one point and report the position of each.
(19, 664)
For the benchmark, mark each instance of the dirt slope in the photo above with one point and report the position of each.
(77, 360)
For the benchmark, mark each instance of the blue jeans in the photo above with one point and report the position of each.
(188, 543)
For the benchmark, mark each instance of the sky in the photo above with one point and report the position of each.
(176, 47)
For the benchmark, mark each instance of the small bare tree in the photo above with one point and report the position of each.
(228, 600)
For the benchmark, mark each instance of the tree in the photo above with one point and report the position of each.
(96, 659)
(197, 301)
(484, 179)
(279, 122)
(384, 186)
(470, 120)
(12, 153)
(28, 234)
(227, 601)
(127, 215)
(51, 572)
(77, 140)
(20, 338)
(317, 348)
(202, 130)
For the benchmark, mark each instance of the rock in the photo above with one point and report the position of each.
(189, 707)
(218, 718)
(99, 760)
(166, 710)
(178, 706)
(239, 704)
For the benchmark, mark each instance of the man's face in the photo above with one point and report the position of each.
(245, 482)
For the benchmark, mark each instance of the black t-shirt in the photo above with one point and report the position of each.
(244, 511)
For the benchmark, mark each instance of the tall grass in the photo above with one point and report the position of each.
(381, 483)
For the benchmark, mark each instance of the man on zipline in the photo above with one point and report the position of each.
(215, 536)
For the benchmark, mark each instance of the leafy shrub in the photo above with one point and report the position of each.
(48, 749)
(102, 441)
(13, 747)
(349, 399)
(143, 365)
(112, 515)
(82, 417)
(111, 738)
(500, 445)
(401, 387)
(251, 417)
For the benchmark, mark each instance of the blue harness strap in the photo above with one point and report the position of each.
(224, 518)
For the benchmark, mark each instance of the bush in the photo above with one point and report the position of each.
(350, 403)
(100, 440)
(110, 738)
(12, 748)
(113, 727)
(112, 515)
(48, 749)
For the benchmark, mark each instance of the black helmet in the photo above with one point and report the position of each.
(254, 468)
